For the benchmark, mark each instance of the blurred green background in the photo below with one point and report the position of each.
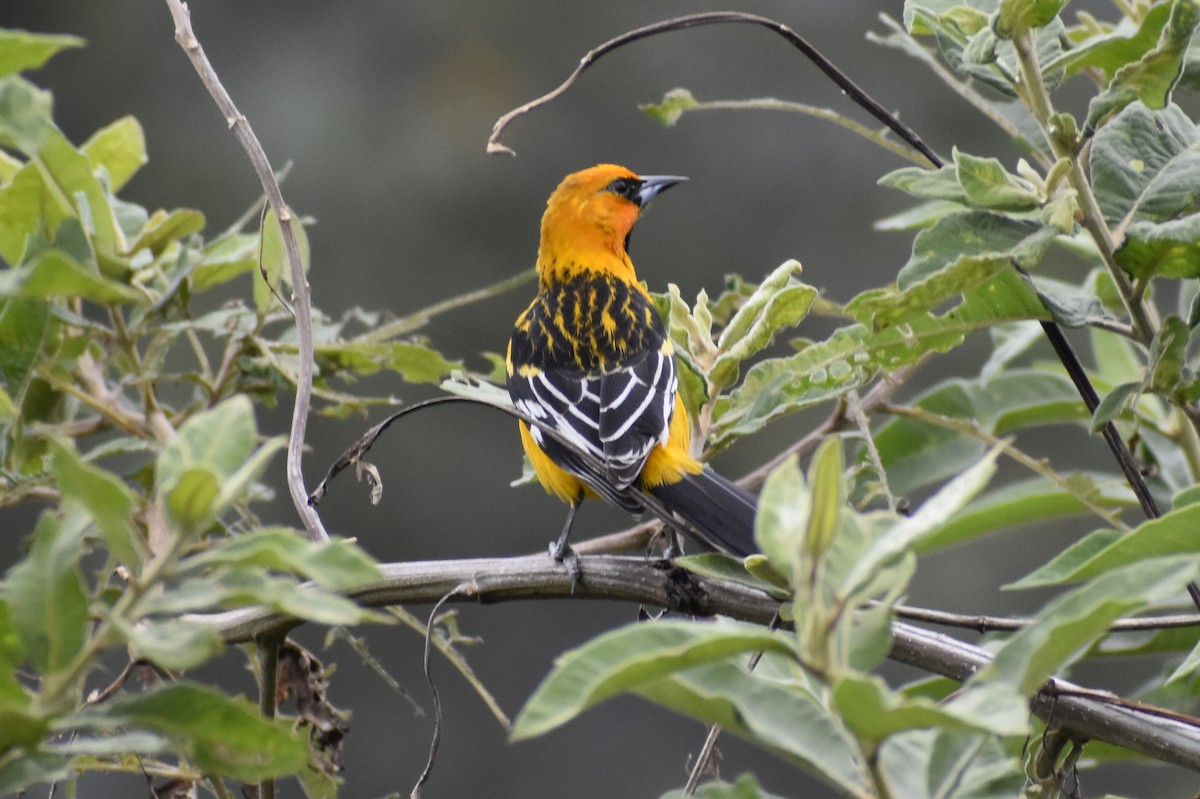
(383, 109)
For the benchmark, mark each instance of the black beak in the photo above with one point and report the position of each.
(653, 185)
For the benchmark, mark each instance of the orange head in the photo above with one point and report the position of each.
(589, 217)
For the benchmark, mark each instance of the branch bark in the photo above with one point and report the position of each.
(1097, 715)
(301, 297)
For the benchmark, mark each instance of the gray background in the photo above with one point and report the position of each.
(384, 108)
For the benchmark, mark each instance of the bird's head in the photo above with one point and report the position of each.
(590, 215)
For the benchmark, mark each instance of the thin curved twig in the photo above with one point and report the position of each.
(848, 86)
(301, 297)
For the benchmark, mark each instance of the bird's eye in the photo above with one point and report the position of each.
(623, 187)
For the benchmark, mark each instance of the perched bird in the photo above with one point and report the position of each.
(590, 362)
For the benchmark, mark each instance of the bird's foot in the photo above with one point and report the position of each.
(562, 553)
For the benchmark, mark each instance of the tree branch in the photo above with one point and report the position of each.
(301, 298)
(1098, 715)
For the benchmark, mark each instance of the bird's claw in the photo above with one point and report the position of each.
(562, 553)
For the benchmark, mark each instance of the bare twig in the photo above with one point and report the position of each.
(301, 298)
(437, 699)
(859, 96)
(859, 417)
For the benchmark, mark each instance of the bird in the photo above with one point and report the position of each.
(591, 365)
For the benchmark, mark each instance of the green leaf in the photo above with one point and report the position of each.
(917, 453)
(1017, 17)
(208, 464)
(246, 586)
(1173, 533)
(173, 644)
(958, 253)
(1168, 356)
(784, 509)
(980, 235)
(1146, 174)
(1167, 249)
(948, 764)
(919, 216)
(191, 498)
(1151, 78)
(772, 708)
(338, 565)
(873, 712)
(627, 659)
(21, 769)
(1067, 626)
(104, 495)
(120, 148)
(274, 260)
(1110, 52)
(23, 327)
(907, 532)
(54, 273)
(21, 51)
(988, 185)
(24, 114)
(828, 497)
(46, 597)
(777, 303)
(164, 229)
(69, 176)
(928, 184)
(224, 259)
(1112, 405)
(1021, 503)
(673, 104)
(853, 354)
(416, 362)
(222, 736)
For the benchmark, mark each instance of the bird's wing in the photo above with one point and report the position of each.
(615, 417)
(636, 403)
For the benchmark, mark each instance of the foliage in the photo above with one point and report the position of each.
(107, 309)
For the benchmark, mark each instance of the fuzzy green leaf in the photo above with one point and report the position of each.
(1152, 77)
(1017, 17)
(222, 736)
(54, 273)
(777, 303)
(1066, 627)
(853, 354)
(1173, 533)
(106, 497)
(1109, 52)
(24, 114)
(337, 565)
(21, 50)
(673, 104)
(120, 148)
(1146, 172)
(772, 708)
(627, 659)
(988, 185)
(1025, 502)
(46, 596)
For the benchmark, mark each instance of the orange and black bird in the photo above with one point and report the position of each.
(591, 363)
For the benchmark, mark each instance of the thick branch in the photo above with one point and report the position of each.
(1092, 714)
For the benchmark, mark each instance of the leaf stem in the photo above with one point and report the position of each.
(1037, 98)
(971, 428)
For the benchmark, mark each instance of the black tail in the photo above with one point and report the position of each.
(718, 511)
